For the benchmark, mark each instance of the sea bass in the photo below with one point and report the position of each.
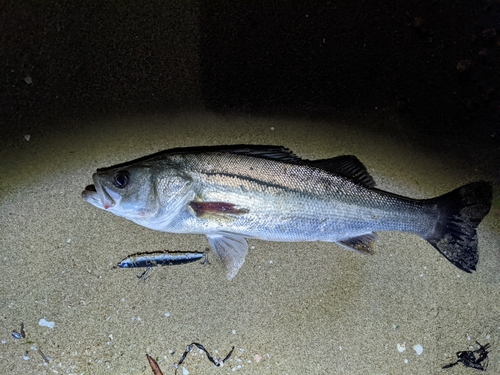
(231, 193)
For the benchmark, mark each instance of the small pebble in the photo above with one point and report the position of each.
(27, 137)
(402, 347)
(45, 323)
(28, 80)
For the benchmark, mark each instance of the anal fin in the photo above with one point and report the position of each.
(361, 244)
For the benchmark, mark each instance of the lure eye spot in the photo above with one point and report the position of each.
(121, 179)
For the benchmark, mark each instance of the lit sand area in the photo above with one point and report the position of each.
(294, 308)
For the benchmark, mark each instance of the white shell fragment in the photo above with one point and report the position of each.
(401, 347)
(27, 137)
(418, 349)
(45, 323)
(28, 80)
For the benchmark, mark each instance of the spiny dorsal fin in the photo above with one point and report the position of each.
(348, 166)
(266, 152)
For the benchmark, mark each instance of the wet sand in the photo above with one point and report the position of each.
(293, 308)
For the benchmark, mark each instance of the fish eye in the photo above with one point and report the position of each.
(121, 179)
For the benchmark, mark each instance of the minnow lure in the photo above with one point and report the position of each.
(142, 260)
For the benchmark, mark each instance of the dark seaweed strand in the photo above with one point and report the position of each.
(210, 358)
(468, 358)
(44, 357)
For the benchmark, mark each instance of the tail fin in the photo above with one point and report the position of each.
(461, 211)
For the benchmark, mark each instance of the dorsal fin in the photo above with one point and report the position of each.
(348, 166)
(266, 152)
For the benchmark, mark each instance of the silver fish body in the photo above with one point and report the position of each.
(236, 192)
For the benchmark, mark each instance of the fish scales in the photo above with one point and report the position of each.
(301, 198)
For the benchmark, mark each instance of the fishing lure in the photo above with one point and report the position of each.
(142, 260)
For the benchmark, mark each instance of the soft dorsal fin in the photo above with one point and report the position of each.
(348, 166)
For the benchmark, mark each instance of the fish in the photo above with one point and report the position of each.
(239, 192)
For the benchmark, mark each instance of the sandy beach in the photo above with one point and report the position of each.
(294, 308)
(409, 88)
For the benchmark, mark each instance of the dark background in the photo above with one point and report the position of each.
(432, 67)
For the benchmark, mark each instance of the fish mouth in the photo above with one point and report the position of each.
(98, 195)
(91, 196)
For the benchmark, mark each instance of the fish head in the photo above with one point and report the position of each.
(144, 193)
(126, 191)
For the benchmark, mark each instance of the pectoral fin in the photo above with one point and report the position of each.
(230, 249)
(361, 244)
(216, 208)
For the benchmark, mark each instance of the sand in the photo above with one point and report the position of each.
(293, 308)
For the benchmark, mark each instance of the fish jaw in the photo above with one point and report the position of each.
(100, 196)
(91, 196)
